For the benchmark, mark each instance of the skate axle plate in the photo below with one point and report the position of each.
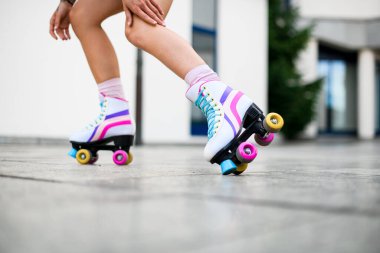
(119, 143)
(252, 124)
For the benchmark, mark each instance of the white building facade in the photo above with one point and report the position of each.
(344, 51)
(47, 90)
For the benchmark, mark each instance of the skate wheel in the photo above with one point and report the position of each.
(130, 158)
(227, 167)
(264, 141)
(83, 156)
(120, 157)
(241, 168)
(273, 122)
(246, 152)
(94, 159)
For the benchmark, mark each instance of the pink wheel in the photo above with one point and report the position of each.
(264, 141)
(246, 152)
(120, 157)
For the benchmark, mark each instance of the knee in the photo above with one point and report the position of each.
(136, 35)
(80, 20)
(76, 15)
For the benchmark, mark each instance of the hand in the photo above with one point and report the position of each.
(147, 10)
(60, 21)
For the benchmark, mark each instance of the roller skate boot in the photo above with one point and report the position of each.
(232, 118)
(112, 130)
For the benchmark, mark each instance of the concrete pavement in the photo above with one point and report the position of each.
(300, 197)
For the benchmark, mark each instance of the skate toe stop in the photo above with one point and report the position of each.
(227, 167)
(73, 153)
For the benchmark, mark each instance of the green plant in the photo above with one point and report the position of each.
(288, 95)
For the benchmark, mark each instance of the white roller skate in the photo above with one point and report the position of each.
(112, 130)
(232, 118)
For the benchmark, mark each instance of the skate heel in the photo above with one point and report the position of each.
(123, 141)
(252, 115)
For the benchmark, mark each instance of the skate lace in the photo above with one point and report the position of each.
(100, 117)
(211, 109)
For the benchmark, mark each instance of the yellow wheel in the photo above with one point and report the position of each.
(84, 156)
(273, 122)
(241, 168)
(130, 158)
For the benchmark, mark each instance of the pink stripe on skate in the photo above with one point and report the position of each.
(126, 122)
(233, 107)
(99, 131)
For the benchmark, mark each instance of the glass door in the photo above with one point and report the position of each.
(337, 102)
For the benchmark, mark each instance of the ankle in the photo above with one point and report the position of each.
(112, 88)
(202, 73)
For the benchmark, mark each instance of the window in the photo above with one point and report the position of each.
(204, 42)
(337, 112)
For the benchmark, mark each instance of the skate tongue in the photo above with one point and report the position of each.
(101, 97)
(193, 92)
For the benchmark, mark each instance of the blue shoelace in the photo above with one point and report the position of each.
(100, 117)
(210, 111)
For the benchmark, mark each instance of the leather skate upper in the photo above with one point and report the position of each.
(113, 120)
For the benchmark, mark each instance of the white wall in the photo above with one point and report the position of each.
(166, 111)
(307, 64)
(47, 89)
(346, 9)
(366, 94)
(242, 47)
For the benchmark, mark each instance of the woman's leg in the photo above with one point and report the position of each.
(168, 47)
(86, 18)
(114, 122)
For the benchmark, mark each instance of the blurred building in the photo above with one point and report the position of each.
(345, 51)
(47, 89)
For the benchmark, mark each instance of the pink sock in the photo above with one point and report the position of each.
(201, 73)
(112, 88)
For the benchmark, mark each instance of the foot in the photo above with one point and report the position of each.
(113, 120)
(224, 108)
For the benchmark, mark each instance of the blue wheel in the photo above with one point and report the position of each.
(228, 167)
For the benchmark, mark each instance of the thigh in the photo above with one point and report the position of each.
(95, 11)
(165, 5)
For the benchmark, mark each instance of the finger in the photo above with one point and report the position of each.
(57, 22)
(51, 29)
(60, 33)
(156, 12)
(151, 14)
(67, 33)
(155, 4)
(128, 16)
(145, 17)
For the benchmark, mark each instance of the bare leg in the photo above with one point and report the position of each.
(86, 18)
(164, 44)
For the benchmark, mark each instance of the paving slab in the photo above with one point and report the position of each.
(319, 196)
